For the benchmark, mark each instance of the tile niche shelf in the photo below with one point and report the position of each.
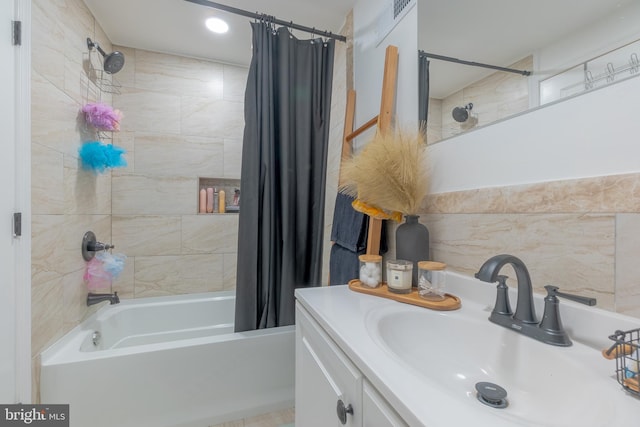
(228, 185)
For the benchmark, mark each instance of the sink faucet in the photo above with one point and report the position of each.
(98, 298)
(550, 329)
(525, 312)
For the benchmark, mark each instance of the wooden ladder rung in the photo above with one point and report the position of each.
(361, 129)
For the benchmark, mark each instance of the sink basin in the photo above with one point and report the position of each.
(546, 385)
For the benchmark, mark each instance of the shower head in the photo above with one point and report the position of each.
(461, 114)
(113, 62)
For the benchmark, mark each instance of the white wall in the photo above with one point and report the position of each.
(586, 136)
(369, 64)
(614, 30)
(594, 134)
(611, 32)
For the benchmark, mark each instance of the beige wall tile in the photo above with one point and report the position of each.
(177, 75)
(48, 37)
(212, 118)
(135, 194)
(47, 181)
(86, 192)
(158, 154)
(54, 117)
(78, 24)
(574, 252)
(47, 314)
(627, 268)
(145, 111)
(136, 235)
(173, 275)
(47, 250)
(230, 265)
(75, 298)
(210, 233)
(234, 83)
(232, 158)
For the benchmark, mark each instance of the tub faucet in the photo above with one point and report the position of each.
(550, 329)
(98, 298)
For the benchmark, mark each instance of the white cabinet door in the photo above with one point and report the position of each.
(324, 378)
(376, 412)
(7, 200)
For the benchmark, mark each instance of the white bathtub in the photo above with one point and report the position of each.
(168, 361)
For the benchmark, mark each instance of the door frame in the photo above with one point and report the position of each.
(23, 203)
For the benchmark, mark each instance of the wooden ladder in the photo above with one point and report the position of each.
(383, 122)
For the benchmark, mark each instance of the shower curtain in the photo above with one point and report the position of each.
(284, 162)
(423, 89)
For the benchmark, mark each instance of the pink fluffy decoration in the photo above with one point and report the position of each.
(95, 275)
(102, 116)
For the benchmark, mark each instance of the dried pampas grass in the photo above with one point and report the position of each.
(390, 172)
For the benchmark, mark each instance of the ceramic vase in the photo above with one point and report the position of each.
(412, 243)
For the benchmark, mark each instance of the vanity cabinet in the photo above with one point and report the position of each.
(330, 390)
(376, 412)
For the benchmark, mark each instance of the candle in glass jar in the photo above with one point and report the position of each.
(399, 275)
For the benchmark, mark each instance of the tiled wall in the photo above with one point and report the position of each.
(580, 235)
(495, 97)
(183, 119)
(66, 200)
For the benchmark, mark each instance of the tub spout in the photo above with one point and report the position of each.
(98, 298)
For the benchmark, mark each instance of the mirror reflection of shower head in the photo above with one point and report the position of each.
(113, 62)
(461, 114)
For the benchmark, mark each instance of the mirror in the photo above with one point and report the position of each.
(566, 46)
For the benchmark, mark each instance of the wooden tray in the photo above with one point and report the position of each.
(450, 302)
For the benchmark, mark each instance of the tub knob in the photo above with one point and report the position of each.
(90, 246)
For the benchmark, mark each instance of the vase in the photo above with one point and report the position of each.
(412, 243)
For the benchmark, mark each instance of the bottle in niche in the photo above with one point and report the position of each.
(221, 202)
(202, 205)
(209, 200)
(216, 200)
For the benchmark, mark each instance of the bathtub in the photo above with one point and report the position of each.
(168, 361)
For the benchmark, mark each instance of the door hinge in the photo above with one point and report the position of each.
(17, 224)
(17, 33)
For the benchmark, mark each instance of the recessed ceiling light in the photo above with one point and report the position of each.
(217, 25)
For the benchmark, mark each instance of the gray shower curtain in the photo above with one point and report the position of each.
(423, 89)
(284, 162)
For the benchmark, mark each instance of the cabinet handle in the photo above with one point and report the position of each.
(342, 411)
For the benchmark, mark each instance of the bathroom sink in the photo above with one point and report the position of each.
(453, 351)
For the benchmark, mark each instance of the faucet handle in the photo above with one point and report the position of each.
(502, 305)
(551, 323)
(552, 291)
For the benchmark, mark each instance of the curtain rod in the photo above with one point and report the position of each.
(475, 64)
(271, 19)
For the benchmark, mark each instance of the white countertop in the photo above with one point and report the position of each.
(348, 317)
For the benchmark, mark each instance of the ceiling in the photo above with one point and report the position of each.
(498, 32)
(177, 26)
